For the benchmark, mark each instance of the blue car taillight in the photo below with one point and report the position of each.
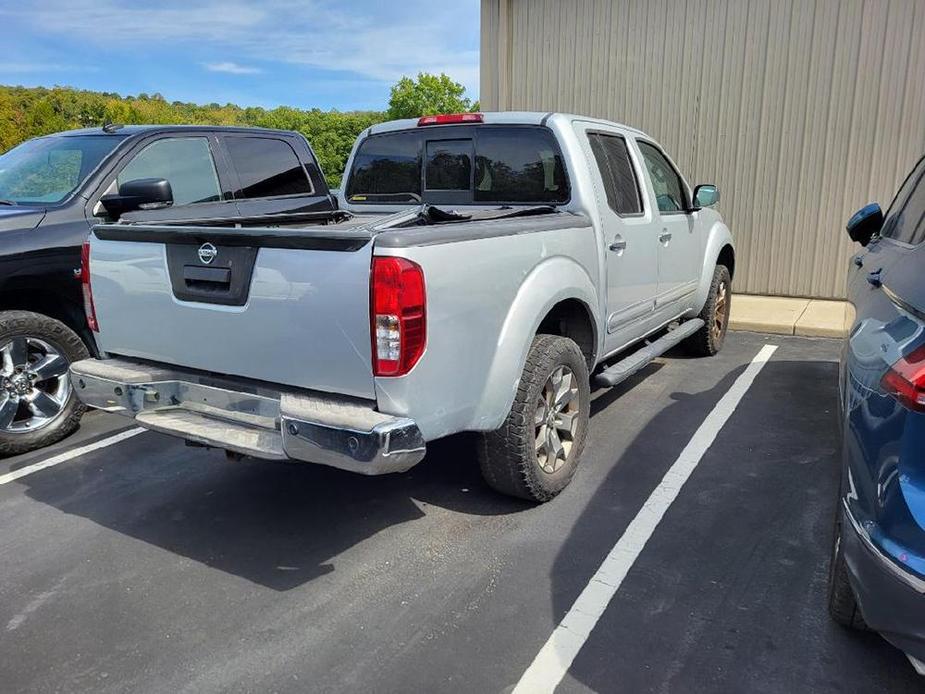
(905, 380)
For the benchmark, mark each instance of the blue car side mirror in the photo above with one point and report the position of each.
(865, 223)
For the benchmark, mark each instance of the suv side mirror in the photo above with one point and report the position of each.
(865, 223)
(140, 194)
(706, 195)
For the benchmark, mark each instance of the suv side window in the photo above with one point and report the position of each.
(669, 188)
(266, 168)
(905, 220)
(613, 162)
(185, 162)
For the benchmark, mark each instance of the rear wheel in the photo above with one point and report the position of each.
(715, 315)
(536, 451)
(843, 605)
(37, 403)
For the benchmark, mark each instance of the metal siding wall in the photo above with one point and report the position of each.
(800, 110)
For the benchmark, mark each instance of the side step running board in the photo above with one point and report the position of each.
(625, 368)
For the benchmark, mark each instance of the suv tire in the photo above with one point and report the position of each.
(535, 452)
(843, 605)
(42, 337)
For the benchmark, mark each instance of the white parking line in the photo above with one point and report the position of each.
(69, 455)
(559, 651)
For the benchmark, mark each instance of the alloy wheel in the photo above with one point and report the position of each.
(556, 419)
(34, 384)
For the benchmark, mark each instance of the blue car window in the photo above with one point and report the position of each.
(905, 220)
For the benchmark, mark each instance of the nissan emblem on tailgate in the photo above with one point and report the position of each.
(207, 253)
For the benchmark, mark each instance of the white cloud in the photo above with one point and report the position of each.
(232, 68)
(377, 41)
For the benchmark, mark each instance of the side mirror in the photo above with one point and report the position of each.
(140, 194)
(705, 195)
(865, 223)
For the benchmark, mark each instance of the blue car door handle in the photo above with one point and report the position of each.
(859, 261)
(873, 278)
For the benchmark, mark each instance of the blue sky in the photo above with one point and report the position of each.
(310, 53)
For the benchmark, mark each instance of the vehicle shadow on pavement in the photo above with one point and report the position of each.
(276, 524)
(729, 594)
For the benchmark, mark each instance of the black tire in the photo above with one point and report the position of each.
(68, 344)
(843, 605)
(709, 340)
(508, 456)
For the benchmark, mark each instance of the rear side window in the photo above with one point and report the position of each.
(185, 162)
(613, 161)
(266, 168)
(905, 220)
(465, 164)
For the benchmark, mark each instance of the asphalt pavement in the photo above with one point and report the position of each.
(149, 566)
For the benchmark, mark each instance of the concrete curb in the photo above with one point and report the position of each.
(786, 316)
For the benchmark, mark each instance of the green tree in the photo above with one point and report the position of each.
(426, 96)
(31, 111)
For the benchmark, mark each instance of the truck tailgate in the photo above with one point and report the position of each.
(286, 306)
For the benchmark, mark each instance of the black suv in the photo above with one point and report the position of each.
(54, 189)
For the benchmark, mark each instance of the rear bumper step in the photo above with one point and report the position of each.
(252, 419)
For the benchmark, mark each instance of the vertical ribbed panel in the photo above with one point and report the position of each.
(801, 111)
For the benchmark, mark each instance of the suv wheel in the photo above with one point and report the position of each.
(536, 451)
(843, 605)
(715, 314)
(37, 403)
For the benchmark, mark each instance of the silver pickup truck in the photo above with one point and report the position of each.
(492, 266)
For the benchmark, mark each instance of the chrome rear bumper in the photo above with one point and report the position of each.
(251, 418)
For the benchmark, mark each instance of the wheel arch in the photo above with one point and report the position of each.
(557, 296)
(719, 249)
(48, 303)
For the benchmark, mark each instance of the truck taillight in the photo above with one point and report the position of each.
(397, 310)
(905, 380)
(84, 276)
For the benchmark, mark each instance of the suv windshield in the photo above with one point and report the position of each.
(480, 164)
(48, 169)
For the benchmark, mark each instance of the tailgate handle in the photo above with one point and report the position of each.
(194, 275)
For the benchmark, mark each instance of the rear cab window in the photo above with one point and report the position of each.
(483, 164)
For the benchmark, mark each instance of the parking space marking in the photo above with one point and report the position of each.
(69, 455)
(560, 650)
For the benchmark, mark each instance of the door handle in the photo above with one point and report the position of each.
(619, 244)
(664, 237)
(873, 278)
(858, 261)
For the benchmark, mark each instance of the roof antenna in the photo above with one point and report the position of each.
(110, 127)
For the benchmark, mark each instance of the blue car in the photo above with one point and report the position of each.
(877, 573)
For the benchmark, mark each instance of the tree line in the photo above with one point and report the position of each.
(27, 112)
